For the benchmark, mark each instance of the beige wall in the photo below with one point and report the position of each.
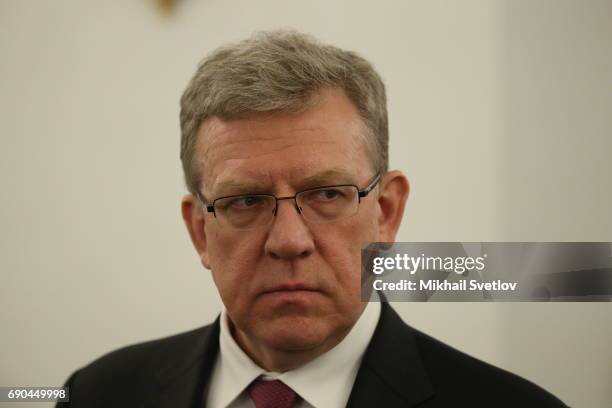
(500, 114)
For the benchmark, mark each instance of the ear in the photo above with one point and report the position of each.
(392, 196)
(193, 215)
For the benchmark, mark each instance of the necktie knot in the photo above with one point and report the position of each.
(271, 394)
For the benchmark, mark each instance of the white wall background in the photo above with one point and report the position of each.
(500, 114)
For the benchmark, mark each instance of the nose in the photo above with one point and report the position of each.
(289, 237)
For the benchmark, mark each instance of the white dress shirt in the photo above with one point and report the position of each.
(323, 382)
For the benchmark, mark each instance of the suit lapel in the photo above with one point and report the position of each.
(181, 383)
(392, 372)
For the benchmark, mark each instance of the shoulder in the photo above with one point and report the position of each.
(454, 374)
(418, 368)
(144, 357)
(133, 370)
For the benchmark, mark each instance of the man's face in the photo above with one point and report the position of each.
(292, 285)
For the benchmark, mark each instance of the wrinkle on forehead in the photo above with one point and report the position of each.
(288, 150)
(304, 171)
(299, 156)
(215, 129)
(275, 142)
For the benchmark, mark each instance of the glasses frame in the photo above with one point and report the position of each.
(210, 207)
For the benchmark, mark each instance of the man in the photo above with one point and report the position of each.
(284, 150)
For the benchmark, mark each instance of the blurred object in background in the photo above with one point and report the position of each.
(166, 7)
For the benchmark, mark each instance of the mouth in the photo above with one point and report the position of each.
(291, 287)
(290, 291)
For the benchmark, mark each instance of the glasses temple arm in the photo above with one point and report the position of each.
(209, 207)
(370, 187)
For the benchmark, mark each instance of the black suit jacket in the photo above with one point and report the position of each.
(402, 367)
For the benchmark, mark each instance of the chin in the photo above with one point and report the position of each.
(294, 334)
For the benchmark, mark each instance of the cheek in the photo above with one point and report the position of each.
(340, 246)
(232, 260)
(344, 248)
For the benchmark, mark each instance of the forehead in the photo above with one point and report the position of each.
(270, 148)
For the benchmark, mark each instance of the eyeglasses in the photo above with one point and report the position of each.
(317, 205)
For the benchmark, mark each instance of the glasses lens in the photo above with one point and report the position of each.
(328, 203)
(245, 212)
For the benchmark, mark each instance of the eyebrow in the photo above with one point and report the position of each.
(232, 187)
(335, 175)
(323, 178)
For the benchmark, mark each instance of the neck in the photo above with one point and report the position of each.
(281, 360)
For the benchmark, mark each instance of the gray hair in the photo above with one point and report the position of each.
(279, 71)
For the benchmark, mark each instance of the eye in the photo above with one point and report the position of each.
(328, 194)
(245, 202)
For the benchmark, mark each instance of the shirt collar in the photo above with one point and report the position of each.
(325, 381)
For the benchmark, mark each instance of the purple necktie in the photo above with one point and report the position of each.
(271, 394)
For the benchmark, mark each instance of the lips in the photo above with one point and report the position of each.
(290, 287)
